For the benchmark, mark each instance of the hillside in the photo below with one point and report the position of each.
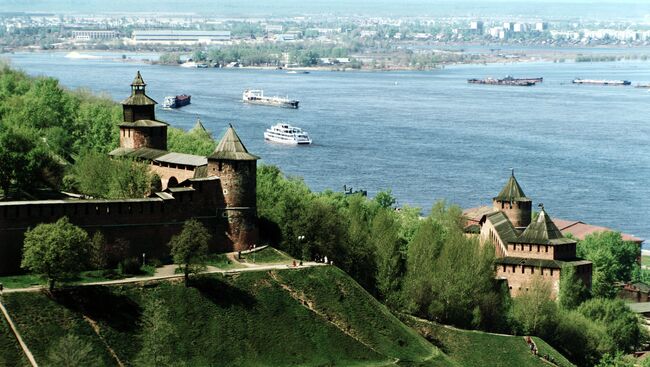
(10, 352)
(309, 317)
(471, 348)
(316, 316)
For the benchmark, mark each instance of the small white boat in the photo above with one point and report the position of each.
(287, 134)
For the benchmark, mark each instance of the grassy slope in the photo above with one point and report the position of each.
(473, 348)
(10, 352)
(257, 318)
(268, 255)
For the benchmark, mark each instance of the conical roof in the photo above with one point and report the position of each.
(198, 127)
(543, 232)
(231, 148)
(512, 191)
(138, 81)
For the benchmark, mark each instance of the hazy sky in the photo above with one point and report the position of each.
(605, 9)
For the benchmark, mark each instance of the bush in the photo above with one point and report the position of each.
(129, 266)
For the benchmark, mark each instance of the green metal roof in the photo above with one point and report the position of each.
(231, 148)
(512, 191)
(144, 123)
(539, 263)
(543, 232)
(140, 153)
(503, 226)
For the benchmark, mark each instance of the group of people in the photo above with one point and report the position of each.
(533, 349)
(323, 259)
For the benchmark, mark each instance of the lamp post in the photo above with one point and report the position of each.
(144, 257)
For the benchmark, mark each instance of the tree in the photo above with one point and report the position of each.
(385, 199)
(21, 158)
(622, 325)
(71, 351)
(98, 255)
(389, 257)
(614, 260)
(190, 247)
(572, 290)
(534, 309)
(56, 250)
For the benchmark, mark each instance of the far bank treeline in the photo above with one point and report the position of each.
(53, 139)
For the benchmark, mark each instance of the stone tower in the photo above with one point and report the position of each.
(514, 204)
(237, 170)
(140, 128)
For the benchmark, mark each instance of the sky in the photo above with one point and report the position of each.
(595, 9)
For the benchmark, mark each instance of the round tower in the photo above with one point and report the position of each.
(237, 171)
(514, 204)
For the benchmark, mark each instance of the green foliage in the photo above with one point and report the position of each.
(197, 142)
(98, 255)
(450, 277)
(96, 174)
(534, 309)
(190, 247)
(385, 199)
(228, 321)
(617, 360)
(572, 290)
(390, 259)
(614, 260)
(57, 250)
(621, 324)
(170, 58)
(22, 159)
(70, 351)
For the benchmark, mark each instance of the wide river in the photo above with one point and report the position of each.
(584, 151)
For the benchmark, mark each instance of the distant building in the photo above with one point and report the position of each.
(94, 35)
(520, 27)
(541, 26)
(286, 37)
(274, 28)
(526, 248)
(476, 26)
(508, 26)
(180, 37)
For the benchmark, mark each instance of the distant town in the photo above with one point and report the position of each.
(327, 41)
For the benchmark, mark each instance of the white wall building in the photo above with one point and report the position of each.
(180, 37)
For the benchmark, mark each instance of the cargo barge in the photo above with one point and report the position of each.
(508, 80)
(257, 97)
(601, 82)
(176, 101)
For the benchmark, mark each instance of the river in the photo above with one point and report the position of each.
(584, 151)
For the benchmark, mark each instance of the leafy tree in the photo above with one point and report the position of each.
(97, 175)
(534, 309)
(71, 351)
(190, 247)
(385, 199)
(196, 142)
(98, 255)
(572, 290)
(614, 260)
(621, 324)
(390, 259)
(22, 159)
(56, 250)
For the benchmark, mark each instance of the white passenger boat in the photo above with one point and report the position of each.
(286, 134)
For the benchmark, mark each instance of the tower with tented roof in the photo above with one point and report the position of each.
(140, 129)
(514, 204)
(237, 172)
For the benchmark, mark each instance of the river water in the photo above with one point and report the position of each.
(584, 151)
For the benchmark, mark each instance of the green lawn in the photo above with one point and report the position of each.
(10, 352)
(29, 280)
(471, 348)
(307, 317)
(222, 262)
(267, 255)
